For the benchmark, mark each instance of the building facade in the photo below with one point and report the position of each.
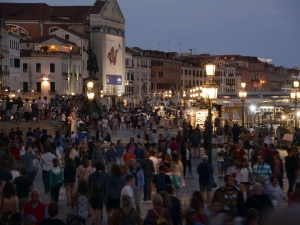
(50, 65)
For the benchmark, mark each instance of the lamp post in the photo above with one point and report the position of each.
(210, 93)
(295, 96)
(90, 95)
(183, 96)
(243, 95)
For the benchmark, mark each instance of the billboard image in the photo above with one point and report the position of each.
(114, 63)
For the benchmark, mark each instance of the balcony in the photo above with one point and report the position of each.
(52, 92)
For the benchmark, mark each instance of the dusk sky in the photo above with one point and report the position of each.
(264, 28)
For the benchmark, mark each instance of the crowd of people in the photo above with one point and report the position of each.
(150, 169)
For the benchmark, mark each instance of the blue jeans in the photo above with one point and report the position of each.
(147, 188)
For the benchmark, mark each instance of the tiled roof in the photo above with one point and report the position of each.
(25, 11)
(96, 8)
(42, 11)
(70, 13)
(133, 52)
(48, 37)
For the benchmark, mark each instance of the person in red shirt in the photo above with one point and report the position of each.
(239, 152)
(128, 155)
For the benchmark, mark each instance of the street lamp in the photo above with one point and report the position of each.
(210, 93)
(295, 96)
(243, 96)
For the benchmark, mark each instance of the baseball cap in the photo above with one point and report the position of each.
(189, 210)
(29, 219)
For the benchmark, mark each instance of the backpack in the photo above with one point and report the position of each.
(97, 186)
(127, 219)
(161, 182)
(204, 173)
(160, 218)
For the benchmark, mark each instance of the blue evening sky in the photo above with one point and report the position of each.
(264, 28)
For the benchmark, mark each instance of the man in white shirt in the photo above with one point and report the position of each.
(154, 160)
(40, 106)
(104, 124)
(46, 163)
(127, 189)
(220, 160)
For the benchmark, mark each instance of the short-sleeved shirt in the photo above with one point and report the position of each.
(5, 175)
(239, 154)
(263, 170)
(40, 104)
(220, 158)
(167, 181)
(27, 161)
(22, 185)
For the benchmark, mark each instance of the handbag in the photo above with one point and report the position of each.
(182, 182)
(73, 219)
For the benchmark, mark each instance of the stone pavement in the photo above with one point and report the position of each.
(184, 195)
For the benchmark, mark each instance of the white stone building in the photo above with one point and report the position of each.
(50, 65)
(4, 55)
(14, 62)
(137, 78)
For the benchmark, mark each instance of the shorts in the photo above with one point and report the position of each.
(220, 164)
(205, 186)
(96, 202)
(112, 204)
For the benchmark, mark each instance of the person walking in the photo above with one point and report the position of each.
(244, 177)
(205, 171)
(126, 214)
(46, 163)
(139, 182)
(232, 196)
(99, 154)
(261, 169)
(291, 165)
(80, 202)
(161, 180)
(35, 207)
(186, 158)
(55, 180)
(98, 186)
(27, 162)
(120, 150)
(220, 160)
(116, 182)
(69, 179)
(84, 170)
(9, 203)
(177, 172)
(148, 169)
(23, 186)
(111, 157)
